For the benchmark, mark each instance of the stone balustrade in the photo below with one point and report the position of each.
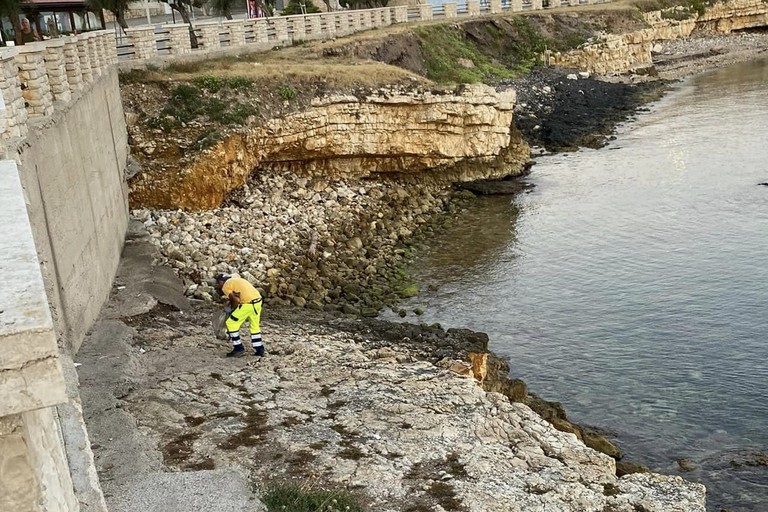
(280, 30)
(179, 42)
(37, 78)
(35, 86)
(143, 41)
(297, 27)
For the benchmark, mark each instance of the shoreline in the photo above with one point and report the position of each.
(195, 453)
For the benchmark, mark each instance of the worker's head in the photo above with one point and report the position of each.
(221, 279)
(25, 24)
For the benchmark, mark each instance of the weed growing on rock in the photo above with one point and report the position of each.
(252, 433)
(179, 450)
(287, 92)
(294, 498)
(185, 67)
(214, 84)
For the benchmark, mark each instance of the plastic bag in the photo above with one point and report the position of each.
(217, 323)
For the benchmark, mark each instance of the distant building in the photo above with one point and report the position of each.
(50, 18)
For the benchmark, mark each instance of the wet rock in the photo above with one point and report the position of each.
(686, 465)
(628, 468)
(409, 291)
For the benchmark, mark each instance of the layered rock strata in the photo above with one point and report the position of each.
(455, 135)
(618, 53)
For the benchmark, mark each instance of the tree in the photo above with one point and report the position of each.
(12, 9)
(222, 7)
(363, 4)
(294, 7)
(183, 7)
(118, 8)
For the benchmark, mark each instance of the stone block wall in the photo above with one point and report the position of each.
(63, 218)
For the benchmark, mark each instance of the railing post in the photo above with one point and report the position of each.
(400, 13)
(370, 19)
(94, 55)
(536, 5)
(473, 7)
(143, 40)
(553, 4)
(328, 25)
(450, 10)
(425, 12)
(72, 64)
(386, 17)
(85, 58)
(110, 47)
(101, 50)
(281, 28)
(260, 34)
(13, 113)
(495, 6)
(35, 87)
(236, 29)
(517, 5)
(179, 39)
(296, 24)
(209, 33)
(55, 66)
(314, 26)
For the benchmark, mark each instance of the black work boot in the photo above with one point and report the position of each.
(237, 351)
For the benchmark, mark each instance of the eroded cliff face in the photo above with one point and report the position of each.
(632, 51)
(462, 134)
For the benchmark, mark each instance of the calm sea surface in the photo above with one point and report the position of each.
(632, 284)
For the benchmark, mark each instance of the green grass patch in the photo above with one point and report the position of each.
(444, 47)
(697, 7)
(287, 92)
(489, 51)
(294, 498)
(189, 103)
(214, 84)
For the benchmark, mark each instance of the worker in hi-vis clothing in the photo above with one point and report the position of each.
(244, 305)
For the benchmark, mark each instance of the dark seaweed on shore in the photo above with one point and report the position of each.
(562, 114)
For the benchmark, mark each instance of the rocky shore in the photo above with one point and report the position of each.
(345, 402)
(375, 408)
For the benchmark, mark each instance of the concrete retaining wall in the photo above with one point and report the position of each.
(63, 218)
(72, 172)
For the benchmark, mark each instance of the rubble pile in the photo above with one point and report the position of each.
(330, 245)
